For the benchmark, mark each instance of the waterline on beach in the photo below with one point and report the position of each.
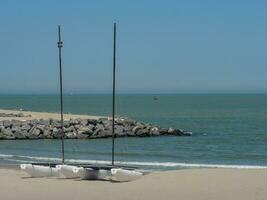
(162, 165)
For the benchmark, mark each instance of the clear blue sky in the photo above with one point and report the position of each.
(163, 46)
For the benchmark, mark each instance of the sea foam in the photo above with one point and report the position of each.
(21, 158)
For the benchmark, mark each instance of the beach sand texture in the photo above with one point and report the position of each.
(43, 115)
(189, 184)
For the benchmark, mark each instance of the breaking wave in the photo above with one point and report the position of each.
(27, 159)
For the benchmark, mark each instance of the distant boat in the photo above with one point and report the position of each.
(155, 98)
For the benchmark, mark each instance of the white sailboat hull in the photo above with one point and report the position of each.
(40, 171)
(92, 174)
(123, 175)
(67, 171)
(104, 174)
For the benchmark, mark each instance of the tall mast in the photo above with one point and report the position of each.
(60, 45)
(113, 95)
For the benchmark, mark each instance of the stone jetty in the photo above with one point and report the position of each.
(81, 129)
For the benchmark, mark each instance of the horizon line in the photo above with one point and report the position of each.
(134, 93)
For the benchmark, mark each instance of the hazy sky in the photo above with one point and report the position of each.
(163, 46)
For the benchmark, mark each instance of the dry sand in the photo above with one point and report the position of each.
(189, 184)
(43, 115)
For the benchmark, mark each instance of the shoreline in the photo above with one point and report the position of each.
(193, 184)
(43, 115)
(156, 165)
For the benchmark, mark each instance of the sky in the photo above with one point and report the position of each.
(162, 46)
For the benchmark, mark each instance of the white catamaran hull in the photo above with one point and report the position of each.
(123, 175)
(67, 171)
(40, 171)
(92, 174)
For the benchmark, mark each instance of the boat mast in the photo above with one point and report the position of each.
(113, 95)
(60, 45)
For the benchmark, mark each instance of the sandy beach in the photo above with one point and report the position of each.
(43, 115)
(189, 184)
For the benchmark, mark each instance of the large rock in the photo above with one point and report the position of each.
(187, 133)
(84, 122)
(176, 132)
(69, 129)
(7, 134)
(142, 132)
(77, 126)
(41, 127)
(33, 122)
(154, 131)
(130, 133)
(7, 123)
(163, 131)
(66, 123)
(25, 127)
(57, 133)
(74, 122)
(102, 134)
(98, 133)
(130, 122)
(48, 134)
(119, 131)
(20, 134)
(15, 128)
(91, 126)
(127, 128)
(82, 136)
(34, 133)
(100, 126)
(107, 124)
(71, 135)
(44, 122)
(85, 130)
(2, 129)
(55, 123)
(140, 124)
(92, 121)
(120, 121)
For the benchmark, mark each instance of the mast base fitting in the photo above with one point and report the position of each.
(60, 44)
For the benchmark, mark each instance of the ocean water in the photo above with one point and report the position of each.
(229, 130)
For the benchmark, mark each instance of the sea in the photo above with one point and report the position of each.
(229, 131)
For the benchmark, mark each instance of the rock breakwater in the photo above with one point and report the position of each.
(81, 129)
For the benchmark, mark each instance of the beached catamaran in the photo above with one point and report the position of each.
(50, 169)
(84, 171)
(111, 172)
